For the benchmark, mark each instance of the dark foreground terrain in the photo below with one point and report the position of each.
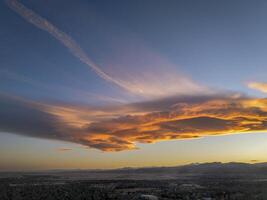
(193, 182)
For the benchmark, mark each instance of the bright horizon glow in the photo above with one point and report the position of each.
(46, 155)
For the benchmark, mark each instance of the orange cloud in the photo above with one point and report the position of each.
(262, 87)
(183, 121)
(122, 127)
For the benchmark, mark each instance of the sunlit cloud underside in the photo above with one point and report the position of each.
(119, 128)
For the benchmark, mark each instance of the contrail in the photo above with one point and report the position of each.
(62, 37)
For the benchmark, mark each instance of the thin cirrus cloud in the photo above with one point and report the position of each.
(260, 86)
(62, 37)
(120, 128)
(142, 83)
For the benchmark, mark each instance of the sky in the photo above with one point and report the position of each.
(110, 84)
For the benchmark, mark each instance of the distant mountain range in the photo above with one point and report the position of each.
(215, 169)
(198, 168)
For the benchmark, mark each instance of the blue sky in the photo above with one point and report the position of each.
(220, 44)
(145, 52)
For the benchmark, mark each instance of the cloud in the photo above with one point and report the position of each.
(119, 128)
(262, 87)
(25, 118)
(64, 149)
